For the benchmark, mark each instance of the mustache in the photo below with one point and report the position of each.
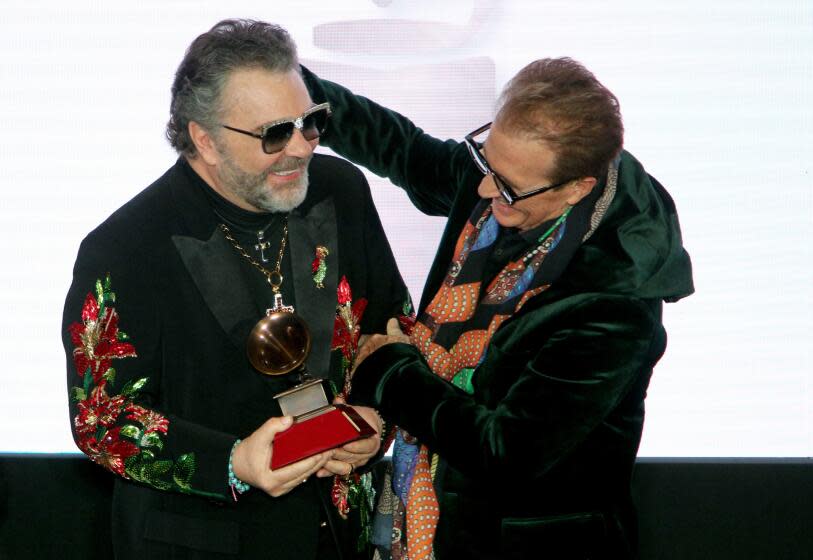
(287, 164)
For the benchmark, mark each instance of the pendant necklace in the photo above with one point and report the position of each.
(262, 244)
(281, 340)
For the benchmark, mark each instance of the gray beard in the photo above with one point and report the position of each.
(254, 189)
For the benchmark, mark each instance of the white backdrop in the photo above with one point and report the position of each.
(718, 105)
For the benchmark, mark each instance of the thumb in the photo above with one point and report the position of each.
(275, 425)
(393, 328)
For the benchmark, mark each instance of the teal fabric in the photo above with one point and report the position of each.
(537, 459)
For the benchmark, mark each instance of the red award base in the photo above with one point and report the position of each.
(323, 429)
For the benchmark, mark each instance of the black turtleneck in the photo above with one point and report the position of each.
(245, 227)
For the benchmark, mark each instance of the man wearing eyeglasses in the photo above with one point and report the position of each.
(166, 293)
(520, 391)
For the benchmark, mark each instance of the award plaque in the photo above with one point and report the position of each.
(318, 425)
(278, 345)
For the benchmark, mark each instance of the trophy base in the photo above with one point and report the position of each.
(317, 431)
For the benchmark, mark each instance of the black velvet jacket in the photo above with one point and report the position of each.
(537, 461)
(185, 298)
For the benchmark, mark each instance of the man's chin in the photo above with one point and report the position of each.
(284, 199)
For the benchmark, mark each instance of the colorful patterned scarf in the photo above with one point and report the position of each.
(453, 334)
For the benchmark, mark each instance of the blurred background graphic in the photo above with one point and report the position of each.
(718, 105)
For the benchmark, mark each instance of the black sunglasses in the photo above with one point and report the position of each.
(276, 135)
(509, 195)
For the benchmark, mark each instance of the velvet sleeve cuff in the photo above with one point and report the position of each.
(396, 381)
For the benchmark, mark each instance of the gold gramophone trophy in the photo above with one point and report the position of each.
(278, 345)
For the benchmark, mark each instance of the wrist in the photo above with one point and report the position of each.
(382, 424)
(237, 486)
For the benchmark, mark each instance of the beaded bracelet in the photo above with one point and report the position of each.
(383, 433)
(235, 483)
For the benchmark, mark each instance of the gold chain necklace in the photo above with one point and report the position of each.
(274, 277)
(280, 341)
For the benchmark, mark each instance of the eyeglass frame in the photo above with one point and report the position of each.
(509, 195)
(298, 123)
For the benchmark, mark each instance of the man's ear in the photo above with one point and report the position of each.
(204, 144)
(579, 189)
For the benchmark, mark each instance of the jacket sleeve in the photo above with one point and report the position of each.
(390, 145)
(560, 394)
(112, 338)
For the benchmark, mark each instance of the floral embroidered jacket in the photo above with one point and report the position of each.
(154, 328)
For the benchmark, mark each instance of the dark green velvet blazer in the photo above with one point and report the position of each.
(188, 301)
(537, 461)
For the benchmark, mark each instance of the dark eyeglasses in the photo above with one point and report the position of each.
(276, 135)
(509, 195)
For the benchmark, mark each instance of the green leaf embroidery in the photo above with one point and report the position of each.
(163, 474)
(78, 394)
(132, 387)
(159, 468)
(131, 431)
(99, 294)
(152, 439)
(131, 464)
(88, 380)
(184, 469)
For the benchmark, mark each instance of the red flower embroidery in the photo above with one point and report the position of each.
(407, 323)
(102, 429)
(111, 452)
(151, 420)
(340, 494)
(97, 340)
(343, 292)
(347, 328)
(97, 411)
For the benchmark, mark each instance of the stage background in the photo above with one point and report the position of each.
(717, 104)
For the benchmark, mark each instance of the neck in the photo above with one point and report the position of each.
(209, 174)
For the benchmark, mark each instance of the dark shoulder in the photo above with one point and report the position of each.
(332, 173)
(147, 216)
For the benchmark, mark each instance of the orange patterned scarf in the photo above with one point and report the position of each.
(453, 333)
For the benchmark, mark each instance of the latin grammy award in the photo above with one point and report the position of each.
(278, 345)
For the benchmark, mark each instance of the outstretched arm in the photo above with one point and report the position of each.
(558, 396)
(390, 145)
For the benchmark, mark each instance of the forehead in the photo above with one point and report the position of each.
(525, 161)
(253, 96)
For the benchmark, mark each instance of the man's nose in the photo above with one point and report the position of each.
(297, 146)
(487, 187)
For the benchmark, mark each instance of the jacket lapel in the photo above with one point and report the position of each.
(210, 261)
(218, 277)
(209, 258)
(309, 227)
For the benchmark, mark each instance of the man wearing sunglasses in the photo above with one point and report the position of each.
(520, 390)
(186, 269)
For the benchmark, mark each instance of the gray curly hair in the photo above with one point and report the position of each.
(199, 81)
